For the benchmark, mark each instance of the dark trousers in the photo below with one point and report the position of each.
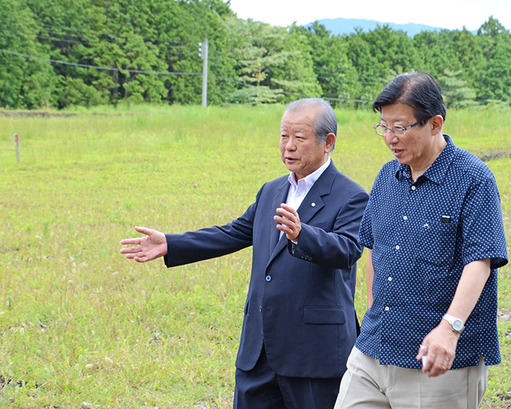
(261, 388)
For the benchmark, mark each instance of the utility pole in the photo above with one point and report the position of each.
(203, 53)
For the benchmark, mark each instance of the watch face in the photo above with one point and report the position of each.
(457, 325)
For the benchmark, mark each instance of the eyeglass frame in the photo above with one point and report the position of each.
(393, 129)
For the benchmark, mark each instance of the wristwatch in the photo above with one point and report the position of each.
(456, 324)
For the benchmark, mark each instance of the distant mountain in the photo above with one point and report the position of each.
(340, 26)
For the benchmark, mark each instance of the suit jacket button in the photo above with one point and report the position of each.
(268, 278)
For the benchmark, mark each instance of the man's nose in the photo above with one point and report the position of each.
(390, 137)
(290, 145)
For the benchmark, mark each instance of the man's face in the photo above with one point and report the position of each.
(300, 149)
(415, 147)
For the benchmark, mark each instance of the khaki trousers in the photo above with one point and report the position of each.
(369, 385)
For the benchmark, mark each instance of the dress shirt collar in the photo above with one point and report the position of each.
(309, 180)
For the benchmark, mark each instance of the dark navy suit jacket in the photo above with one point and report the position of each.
(300, 300)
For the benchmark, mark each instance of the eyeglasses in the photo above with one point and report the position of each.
(396, 130)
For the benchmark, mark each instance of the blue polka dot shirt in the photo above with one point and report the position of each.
(422, 234)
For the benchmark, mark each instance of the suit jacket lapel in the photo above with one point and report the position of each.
(280, 197)
(312, 203)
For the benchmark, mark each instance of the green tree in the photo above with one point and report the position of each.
(378, 56)
(295, 72)
(148, 51)
(24, 82)
(335, 74)
(64, 28)
(496, 79)
(493, 79)
(133, 51)
(455, 90)
(492, 27)
(274, 63)
(469, 53)
(180, 26)
(436, 52)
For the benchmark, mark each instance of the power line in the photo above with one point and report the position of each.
(98, 67)
(170, 73)
(363, 101)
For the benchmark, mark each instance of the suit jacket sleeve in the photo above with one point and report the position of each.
(212, 241)
(338, 248)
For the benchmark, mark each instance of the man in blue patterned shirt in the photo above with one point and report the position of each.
(434, 232)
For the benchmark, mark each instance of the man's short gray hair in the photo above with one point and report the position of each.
(325, 121)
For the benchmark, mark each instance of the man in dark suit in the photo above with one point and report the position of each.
(300, 321)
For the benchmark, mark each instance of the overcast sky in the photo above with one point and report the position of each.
(450, 14)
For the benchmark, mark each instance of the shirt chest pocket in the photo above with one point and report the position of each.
(437, 243)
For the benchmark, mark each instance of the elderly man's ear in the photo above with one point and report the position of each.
(329, 143)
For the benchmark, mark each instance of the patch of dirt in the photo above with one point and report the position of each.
(8, 250)
(48, 114)
(495, 155)
(504, 315)
(35, 114)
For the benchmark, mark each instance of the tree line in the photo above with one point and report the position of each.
(95, 52)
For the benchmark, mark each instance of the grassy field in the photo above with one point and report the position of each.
(81, 326)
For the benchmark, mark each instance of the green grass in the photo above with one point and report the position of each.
(80, 323)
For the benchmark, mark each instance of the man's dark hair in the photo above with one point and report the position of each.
(325, 121)
(419, 90)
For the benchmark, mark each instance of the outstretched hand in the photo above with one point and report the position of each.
(148, 248)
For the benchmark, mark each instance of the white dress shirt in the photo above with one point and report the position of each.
(298, 190)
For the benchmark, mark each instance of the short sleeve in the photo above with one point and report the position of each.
(483, 227)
